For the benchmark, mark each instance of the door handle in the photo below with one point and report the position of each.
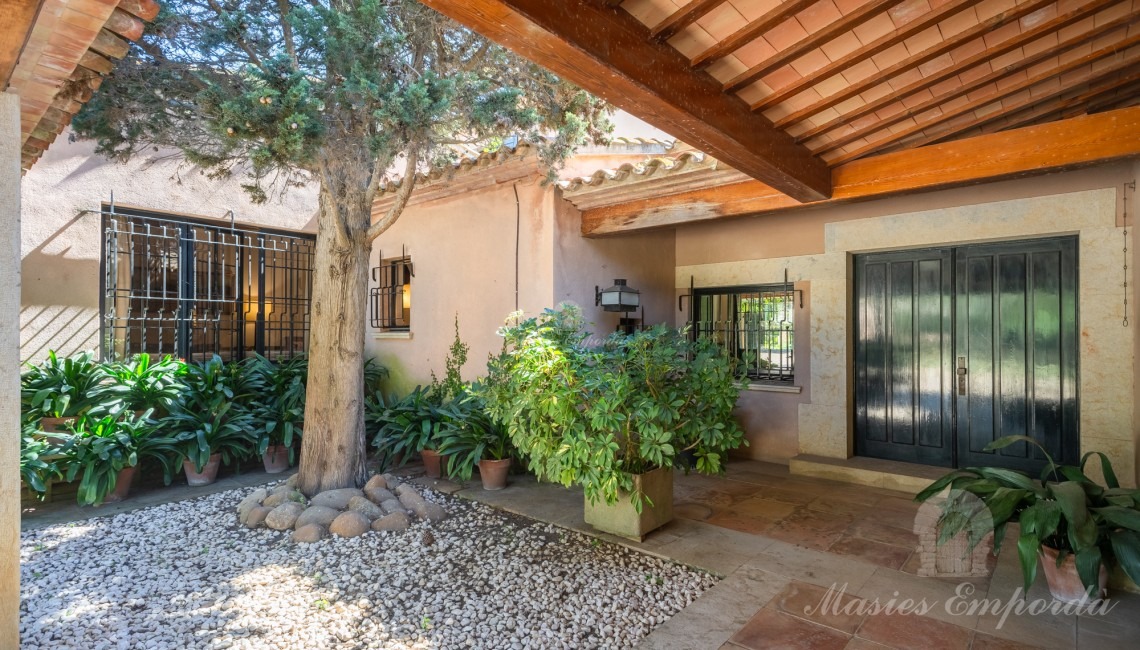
(962, 375)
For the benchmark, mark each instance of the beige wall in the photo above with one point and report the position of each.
(463, 249)
(1085, 203)
(10, 142)
(61, 240)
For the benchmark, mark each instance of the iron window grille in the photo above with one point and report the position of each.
(755, 325)
(193, 288)
(390, 301)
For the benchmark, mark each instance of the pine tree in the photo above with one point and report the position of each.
(335, 92)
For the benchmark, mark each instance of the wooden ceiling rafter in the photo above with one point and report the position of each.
(884, 42)
(1124, 64)
(864, 13)
(612, 54)
(982, 81)
(750, 32)
(944, 47)
(683, 17)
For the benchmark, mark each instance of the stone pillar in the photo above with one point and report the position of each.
(9, 370)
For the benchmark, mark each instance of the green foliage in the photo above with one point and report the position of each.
(468, 433)
(100, 447)
(59, 388)
(214, 415)
(405, 428)
(279, 410)
(279, 86)
(39, 461)
(138, 385)
(452, 385)
(1064, 509)
(596, 416)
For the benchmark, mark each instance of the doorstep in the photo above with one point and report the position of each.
(874, 472)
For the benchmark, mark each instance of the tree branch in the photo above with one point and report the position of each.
(287, 31)
(253, 58)
(402, 196)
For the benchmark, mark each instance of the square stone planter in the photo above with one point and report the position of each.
(623, 520)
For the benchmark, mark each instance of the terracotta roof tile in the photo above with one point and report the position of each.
(785, 35)
(818, 16)
(905, 12)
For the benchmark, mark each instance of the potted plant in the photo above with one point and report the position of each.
(210, 425)
(39, 462)
(409, 426)
(468, 437)
(1077, 527)
(105, 452)
(280, 410)
(138, 385)
(612, 418)
(57, 391)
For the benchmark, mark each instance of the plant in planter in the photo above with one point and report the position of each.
(138, 385)
(1078, 527)
(104, 452)
(468, 436)
(210, 423)
(38, 462)
(57, 391)
(407, 427)
(613, 419)
(280, 410)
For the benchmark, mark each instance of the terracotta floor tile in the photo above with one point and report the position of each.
(796, 497)
(880, 532)
(892, 557)
(863, 644)
(742, 523)
(831, 504)
(770, 628)
(826, 522)
(766, 508)
(984, 641)
(810, 602)
(913, 631)
(690, 510)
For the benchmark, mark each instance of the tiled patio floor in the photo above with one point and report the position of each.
(781, 542)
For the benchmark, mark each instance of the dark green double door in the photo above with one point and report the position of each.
(955, 347)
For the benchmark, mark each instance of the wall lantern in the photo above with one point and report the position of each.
(619, 297)
(406, 290)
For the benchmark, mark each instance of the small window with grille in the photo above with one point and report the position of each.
(755, 325)
(390, 308)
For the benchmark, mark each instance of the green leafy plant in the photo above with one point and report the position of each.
(211, 417)
(100, 447)
(279, 409)
(596, 416)
(58, 388)
(452, 384)
(468, 433)
(138, 385)
(39, 461)
(406, 427)
(1064, 510)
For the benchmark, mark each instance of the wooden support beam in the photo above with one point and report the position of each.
(977, 82)
(751, 31)
(124, 24)
(611, 54)
(16, 20)
(945, 46)
(683, 17)
(785, 56)
(1060, 22)
(145, 9)
(110, 45)
(1124, 63)
(1056, 146)
(884, 42)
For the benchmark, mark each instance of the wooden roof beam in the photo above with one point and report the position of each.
(975, 83)
(1123, 64)
(683, 17)
(845, 24)
(1056, 146)
(611, 54)
(17, 17)
(929, 54)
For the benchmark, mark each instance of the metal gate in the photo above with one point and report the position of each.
(192, 288)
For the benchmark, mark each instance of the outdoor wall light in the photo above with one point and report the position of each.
(619, 297)
(407, 291)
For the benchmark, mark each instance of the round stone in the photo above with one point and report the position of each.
(365, 507)
(309, 534)
(336, 498)
(349, 524)
(320, 515)
(284, 516)
(394, 521)
(256, 517)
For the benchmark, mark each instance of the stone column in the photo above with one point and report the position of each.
(9, 370)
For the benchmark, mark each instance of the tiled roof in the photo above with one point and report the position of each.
(72, 44)
(659, 176)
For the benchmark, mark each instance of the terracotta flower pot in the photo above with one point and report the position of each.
(122, 485)
(1064, 581)
(432, 463)
(494, 473)
(276, 459)
(57, 425)
(208, 474)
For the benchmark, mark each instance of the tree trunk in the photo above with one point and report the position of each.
(333, 451)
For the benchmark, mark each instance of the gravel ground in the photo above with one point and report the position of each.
(186, 575)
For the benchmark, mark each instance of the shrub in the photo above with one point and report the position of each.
(596, 416)
(59, 388)
(138, 385)
(213, 416)
(279, 409)
(100, 447)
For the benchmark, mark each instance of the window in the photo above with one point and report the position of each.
(193, 288)
(755, 325)
(390, 305)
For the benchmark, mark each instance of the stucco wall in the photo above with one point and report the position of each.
(1085, 203)
(61, 240)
